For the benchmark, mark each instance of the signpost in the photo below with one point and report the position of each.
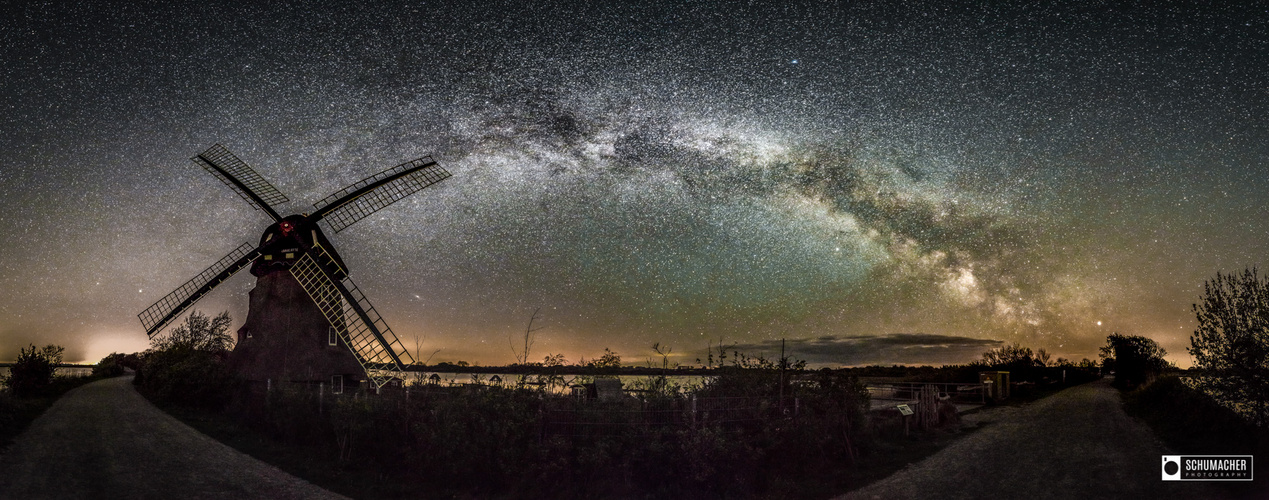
(906, 411)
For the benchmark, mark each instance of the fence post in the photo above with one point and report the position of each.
(693, 411)
(268, 385)
(541, 422)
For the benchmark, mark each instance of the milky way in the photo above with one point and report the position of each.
(914, 183)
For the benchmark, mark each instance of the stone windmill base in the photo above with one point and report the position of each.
(287, 339)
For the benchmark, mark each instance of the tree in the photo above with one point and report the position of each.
(554, 360)
(198, 333)
(609, 359)
(522, 356)
(1136, 360)
(1231, 344)
(33, 371)
(187, 365)
(116, 364)
(1009, 355)
(1042, 357)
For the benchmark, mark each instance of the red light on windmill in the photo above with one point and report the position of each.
(286, 227)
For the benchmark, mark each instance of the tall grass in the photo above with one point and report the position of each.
(744, 434)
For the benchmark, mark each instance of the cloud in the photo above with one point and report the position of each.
(887, 349)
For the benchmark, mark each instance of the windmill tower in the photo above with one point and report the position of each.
(307, 320)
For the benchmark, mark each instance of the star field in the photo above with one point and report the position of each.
(672, 172)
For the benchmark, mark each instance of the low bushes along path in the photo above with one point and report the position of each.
(1077, 443)
(103, 440)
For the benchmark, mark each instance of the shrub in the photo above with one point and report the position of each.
(188, 365)
(33, 371)
(116, 364)
(187, 376)
(1136, 360)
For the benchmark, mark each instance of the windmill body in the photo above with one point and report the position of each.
(286, 336)
(307, 321)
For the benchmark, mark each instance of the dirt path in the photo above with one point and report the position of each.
(1078, 443)
(103, 440)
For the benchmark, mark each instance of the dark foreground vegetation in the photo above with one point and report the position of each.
(735, 437)
(756, 428)
(1221, 405)
(32, 386)
(1191, 422)
(486, 442)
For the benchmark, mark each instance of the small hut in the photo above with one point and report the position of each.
(996, 384)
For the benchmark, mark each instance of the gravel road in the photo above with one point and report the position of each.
(1078, 443)
(103, 440)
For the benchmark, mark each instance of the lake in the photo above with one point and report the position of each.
(72, 371)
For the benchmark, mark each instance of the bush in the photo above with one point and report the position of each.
(188, 365)
(33, 371)
(1136, 360)
(186, 376)
(116, 364)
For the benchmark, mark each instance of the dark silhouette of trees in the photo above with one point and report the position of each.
(1042, 357)
(1231, 344)
(198, 333)
(116, 364)
(1136, 360)
(1009, 356)
(33, 371)
(609, 359)
(187, 365)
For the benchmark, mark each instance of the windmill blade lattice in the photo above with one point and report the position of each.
(241, 178)
(355, 320)
(411, 177)
(155, 317)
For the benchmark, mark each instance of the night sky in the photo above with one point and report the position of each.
(875, 183)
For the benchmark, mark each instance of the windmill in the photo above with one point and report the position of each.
(307, 321)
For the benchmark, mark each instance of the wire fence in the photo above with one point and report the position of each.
(889, 393)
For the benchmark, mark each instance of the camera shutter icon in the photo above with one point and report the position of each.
(1171, 467)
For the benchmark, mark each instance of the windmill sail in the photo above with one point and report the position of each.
(369, 195)
(359, 326)
(158, 315)
(241, 178)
